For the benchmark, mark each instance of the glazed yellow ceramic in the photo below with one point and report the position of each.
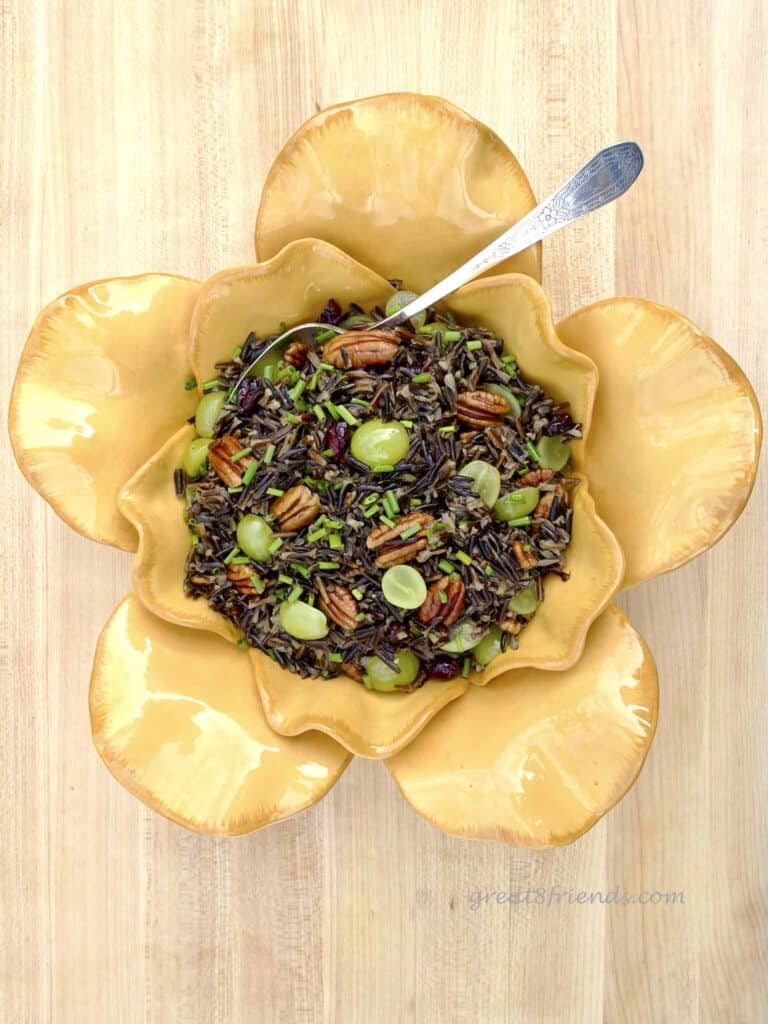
(149, 501)
(224, 742)
(367, 723)
(292, 288)
(536, 758)
(676, 433)
(178, 721)
(409, 185)
(100, 386)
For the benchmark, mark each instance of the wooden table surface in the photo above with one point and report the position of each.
(136, 136)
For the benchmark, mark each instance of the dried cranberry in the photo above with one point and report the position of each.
(331, 314)
(561, 423)
(395, 632)
(248, 396)
(337, 438)
(444, 668)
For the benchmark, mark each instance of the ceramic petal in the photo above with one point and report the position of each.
(178, 721)
(409, 185)
(537, 757)
(100, 386)
(675, 439)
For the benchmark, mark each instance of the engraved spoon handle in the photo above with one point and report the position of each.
(604, 178)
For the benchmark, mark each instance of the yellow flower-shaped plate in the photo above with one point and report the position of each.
(543, 742)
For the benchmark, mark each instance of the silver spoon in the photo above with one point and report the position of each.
(604, 178)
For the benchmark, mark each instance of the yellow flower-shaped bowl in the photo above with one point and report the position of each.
(543, 742)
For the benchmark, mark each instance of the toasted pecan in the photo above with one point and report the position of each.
(392, 547)
(220, 457)
(535, 477)
(446, 609)
(296, 508)
(296, 354)
(359, 349)
(240, 577)
(525, 559)
(340, 606)
(480, 409)
(544, 506)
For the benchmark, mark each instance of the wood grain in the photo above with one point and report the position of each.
(136, 137)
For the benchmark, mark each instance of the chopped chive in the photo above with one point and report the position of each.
(488, 570)
(240, 560)
(326, 366)
(190, 384)
(297, 390)
(526, 547)
(329, 565)
(371, 511)
(360, 617)
(258, 584)
(232, 554)
(290, 418)
(243, 644)
(275, 492)
(443, 597)
(300, 569)
(466, 665)
(334, 524)
(408, 478)
(445, 565)
(335, 542)
(384, 468)
(509, 360)
(455, 576)
(421, 378)
(269, 454)
(295, 594)
(336, 657)
(407, 423)
(325, 335)
(211, 384)
(451, 336)
(448, 429)
(473, 346)
(317, 535)
(415, 502)
(332, 410)
(520, 521)
(250, 472)
(237, 352)
(235, 490)
(532, 451)
(275, 546)
(357, 593)
(269, 372)
(369, 499)
(311, 600)
(411, 531)
(241, 454)
(320, 414)
(464, 558)
(390, 496)
(284, 373)
(282, 578)
(387, 521)
(347, 416)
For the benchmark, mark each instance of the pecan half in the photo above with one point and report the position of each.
(220, 458)
(296, 508)
(525, 559)
(352, 670)
(340, 606)
(296, 354)
(361, 348)
(544, 506)
(535, 477)
(450, 608)
(480, 409)
(240, 577)
(392, 547)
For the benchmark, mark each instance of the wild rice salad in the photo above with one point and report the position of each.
(386, 504)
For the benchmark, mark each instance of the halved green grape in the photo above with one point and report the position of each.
(196, 456)
(524, 603)
(553, 452)
(254, 535)
(379, 676)
(396, 302)
(267, 365)
(508, 395)
(516, 503)
(489, 647)
(377, 443)
(302, 620)
(486, 478)
(464, 637)
(404, 587)
(208, 410)
(356, 320)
